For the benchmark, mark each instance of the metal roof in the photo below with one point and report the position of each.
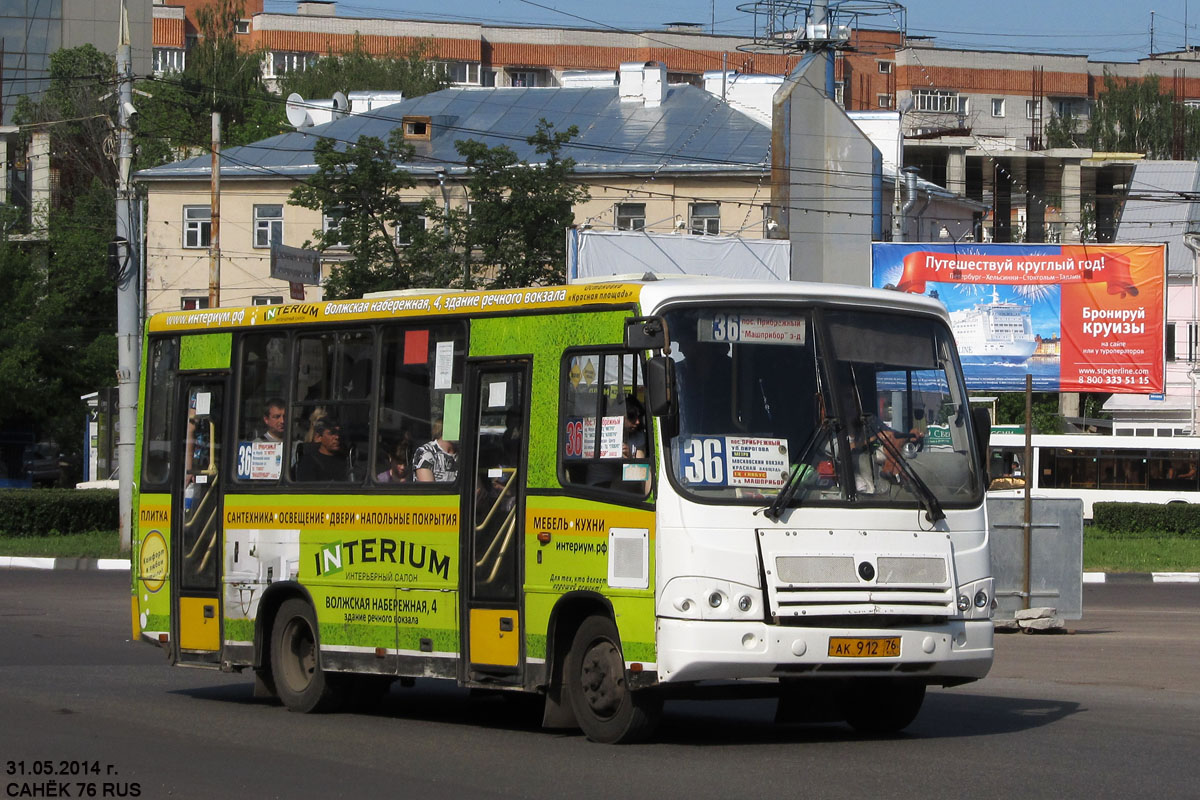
(1162, 207)
(692, 131)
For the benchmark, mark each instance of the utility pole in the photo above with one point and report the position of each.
(126, 254)
(214, 250)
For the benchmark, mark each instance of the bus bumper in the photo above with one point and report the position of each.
(955, 651)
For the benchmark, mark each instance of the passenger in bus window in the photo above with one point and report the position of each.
(399, 458)
(274, 420)
(436, 461)
(322, 459)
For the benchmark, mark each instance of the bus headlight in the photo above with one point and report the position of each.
(708, 599)
(975, 599)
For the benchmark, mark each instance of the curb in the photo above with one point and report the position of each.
(1141, 577)
(20, 562)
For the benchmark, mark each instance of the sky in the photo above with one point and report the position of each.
(1106, 30)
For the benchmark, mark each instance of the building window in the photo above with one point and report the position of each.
(997, 106)
(631, 216)
(1033, 109)
(242, 26)
(169, 59)
(884, 100)
(192, 303)
(460, 72)
(886, 67)
(1170, 341)
(418, 128)
(704, 218)
(266, 300)
(283, 63)
(410, 222)
(839, 93)
(940, 100)
(331, 219)
(523, 78)
(197, 226)
(268, 225)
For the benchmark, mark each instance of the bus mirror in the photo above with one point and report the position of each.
(645, 333)
(981, 420)
(660, 385)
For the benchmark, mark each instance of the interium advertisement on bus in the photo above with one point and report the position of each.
(1078, 318)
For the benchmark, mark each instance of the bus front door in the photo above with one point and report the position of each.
(196, 523)
(493, 517)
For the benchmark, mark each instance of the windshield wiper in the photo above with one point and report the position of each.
(933, 509)
(799, 472)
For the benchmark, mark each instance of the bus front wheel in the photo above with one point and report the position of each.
(594, 678)
(881, 706)
(299, 680)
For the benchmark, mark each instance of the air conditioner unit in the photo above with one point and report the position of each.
(814, 31)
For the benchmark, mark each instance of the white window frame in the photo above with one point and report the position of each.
(628, 213)
(839, 93)
(1033, 109)
(266, 300)
(284, 61)
(330, 218)
(268, 227)
(529, 77)
(886, 67)
(460, 73)
(998, 107)
(940, 101)
(193, 303)
(885, 101)
(701, 220)
(421, 222)
(197, 227)
(169, 59)
(242, 27)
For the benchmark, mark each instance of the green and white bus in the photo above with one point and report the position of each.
(605, 494)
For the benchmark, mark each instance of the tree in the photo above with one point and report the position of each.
(58, 319)
(519, 211)
(513, 236)
(1139, 117)
(76, 112)
(358, 70)
(222, 76)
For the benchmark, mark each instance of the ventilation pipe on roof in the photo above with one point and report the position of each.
(910, 201)
(644, 83)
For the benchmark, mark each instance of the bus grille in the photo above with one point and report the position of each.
(808, 586)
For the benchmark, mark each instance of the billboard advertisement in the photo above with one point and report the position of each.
(1078, 318)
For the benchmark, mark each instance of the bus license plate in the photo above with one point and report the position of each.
(850, 647)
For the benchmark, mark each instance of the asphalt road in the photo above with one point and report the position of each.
(1112, 710)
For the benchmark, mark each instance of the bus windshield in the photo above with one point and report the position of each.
(828, 405)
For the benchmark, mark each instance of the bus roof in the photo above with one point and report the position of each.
(649, 294)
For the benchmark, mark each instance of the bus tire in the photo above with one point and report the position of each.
(594, 679)
(300, 682)
(879, 707)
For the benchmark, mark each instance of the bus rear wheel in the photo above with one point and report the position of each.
(594, 679)
(299, 680)
(880, 707)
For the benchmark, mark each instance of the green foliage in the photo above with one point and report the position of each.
(514, 236)
(59, 318)
(1143, 520)
(1140, 117)
(358, 70)
(81, 138)
(1064, 131)
(520, 210)
(41, 512)
(1010, 410)
(92, 544)
(222, 76)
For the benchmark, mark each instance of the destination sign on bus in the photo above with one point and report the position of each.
(757, 329)
(734, 461)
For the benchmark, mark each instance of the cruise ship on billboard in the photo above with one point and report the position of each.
(994, 333)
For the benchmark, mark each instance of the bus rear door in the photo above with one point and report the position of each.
(492, 521)
(196, 521)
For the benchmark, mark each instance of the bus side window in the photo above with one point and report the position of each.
(331, 403)
(262, 418)
(420, 401)
(605, 442)
(161, 378)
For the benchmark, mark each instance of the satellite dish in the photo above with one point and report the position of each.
(340, 104)
(297, 113)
